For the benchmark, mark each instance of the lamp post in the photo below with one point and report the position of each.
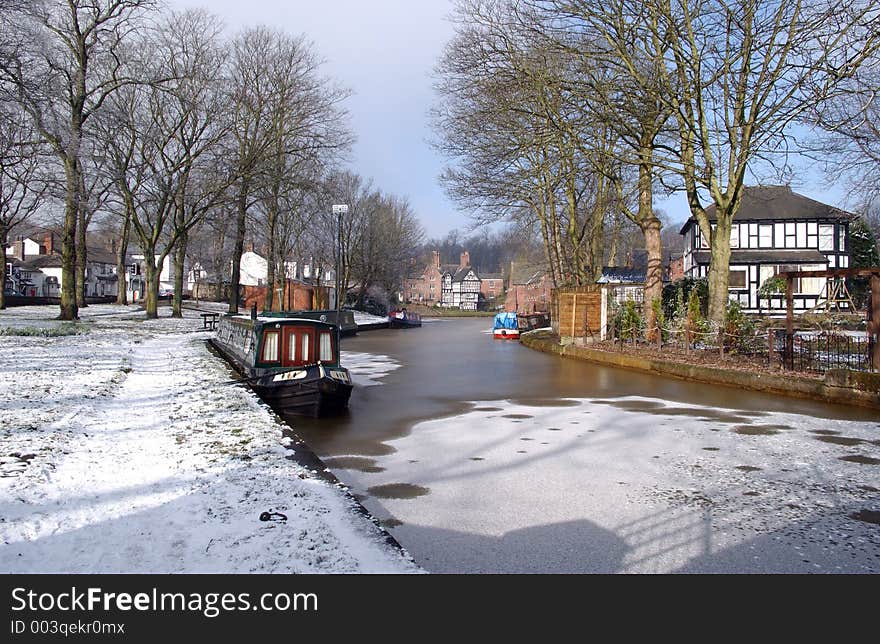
(339, 210)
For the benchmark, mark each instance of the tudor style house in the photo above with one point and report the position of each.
(449, 285)
(460, 285)
(776, 230)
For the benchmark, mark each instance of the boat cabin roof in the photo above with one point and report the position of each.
(264, 320)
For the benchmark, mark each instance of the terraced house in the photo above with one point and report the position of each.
(776, 230)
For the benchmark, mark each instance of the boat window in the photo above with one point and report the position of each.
(270, 346)
(298, 342)
(326, 348)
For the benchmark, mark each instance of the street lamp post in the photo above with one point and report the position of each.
(339, 210)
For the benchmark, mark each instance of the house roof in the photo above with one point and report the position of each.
(526, 273)
(462, 272)
(46, 261)
(766, 203)
(26, 266)
(621, 275)
(492, 276)
(768, 256)
(458, 272)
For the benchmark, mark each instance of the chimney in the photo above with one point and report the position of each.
(436, 255)
(465, 259)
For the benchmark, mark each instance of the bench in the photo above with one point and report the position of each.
(209, 321)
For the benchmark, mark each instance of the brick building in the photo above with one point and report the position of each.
(528, 290)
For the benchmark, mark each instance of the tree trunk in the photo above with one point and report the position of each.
(4, 235)
(238, 251)
(653, 273)
(81, 260)
(179, 263)
(272, 303)
(615, 237)
(121, 268)
(151, 296)
(69, 309)
(650, 226)
(719, 269)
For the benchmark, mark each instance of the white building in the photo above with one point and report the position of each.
(775, 231)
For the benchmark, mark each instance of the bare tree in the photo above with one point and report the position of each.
(21, 186)
(522, 143)
(849, 141)
(736, 76)
(306, 130)
(61, 64)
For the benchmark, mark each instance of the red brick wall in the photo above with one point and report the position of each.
(297, 296)
(529, 298)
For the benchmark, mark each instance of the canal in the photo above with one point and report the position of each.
(484, 456)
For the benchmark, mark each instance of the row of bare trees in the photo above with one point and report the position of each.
(567, 114)
(177, 134)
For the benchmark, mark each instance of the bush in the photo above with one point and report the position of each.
(695, 323)
(63, 329)
(685, 286)
(628, 323)
(772, 286)
(739, 329)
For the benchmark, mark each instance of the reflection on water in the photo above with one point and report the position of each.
(447, 364)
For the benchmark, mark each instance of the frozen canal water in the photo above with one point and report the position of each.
(485, 456)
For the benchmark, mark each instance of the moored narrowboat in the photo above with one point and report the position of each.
(404, 319)
(291, 363)
(505, 327)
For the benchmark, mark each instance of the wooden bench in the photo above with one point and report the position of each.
(209, 321)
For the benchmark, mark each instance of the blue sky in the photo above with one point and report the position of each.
(385, 51)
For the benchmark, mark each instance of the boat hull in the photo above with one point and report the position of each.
(311, 396)
(506, 334)
(396, 323)
(307, 391)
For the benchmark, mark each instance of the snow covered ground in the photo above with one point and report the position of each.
(122, 450)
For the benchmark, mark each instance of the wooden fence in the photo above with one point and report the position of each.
(577, 313)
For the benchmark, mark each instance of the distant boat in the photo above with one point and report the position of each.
(505, 327)
(404, 319)
(292, 363)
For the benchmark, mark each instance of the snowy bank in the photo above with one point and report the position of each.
(122, 450)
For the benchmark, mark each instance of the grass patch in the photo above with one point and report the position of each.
(61, 330)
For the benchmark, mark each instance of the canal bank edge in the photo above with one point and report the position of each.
(839, 386)
(303, 455)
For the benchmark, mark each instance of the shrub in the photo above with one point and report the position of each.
(63, 329)
(739, 329)
(695, 322)
(685, 285)
(628, 323)
(772, 286)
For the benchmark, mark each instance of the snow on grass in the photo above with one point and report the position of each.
(121, 451)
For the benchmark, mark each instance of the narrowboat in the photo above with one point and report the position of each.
(505, 327)
(404, 319)
(532, 321)
(292, 363)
